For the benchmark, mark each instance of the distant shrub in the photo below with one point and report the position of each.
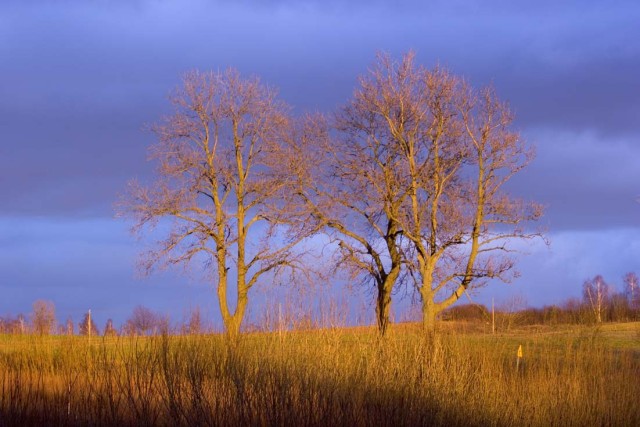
(468, 312)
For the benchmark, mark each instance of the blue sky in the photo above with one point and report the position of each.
(80, 79)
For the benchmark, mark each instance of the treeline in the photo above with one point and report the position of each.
(600, 302)
(143, 321)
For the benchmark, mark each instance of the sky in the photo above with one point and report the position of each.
(80, 80)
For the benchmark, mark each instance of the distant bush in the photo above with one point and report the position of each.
(468, 312)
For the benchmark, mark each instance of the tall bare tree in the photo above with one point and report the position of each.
(69, 329)
(109, 330)
(88, 326)
(461, 223)
(195, 325)
(408, 179)
(215, 188)
(632, 290)
(143, 321)
(347, 186)
(43, 317)
(596, 293)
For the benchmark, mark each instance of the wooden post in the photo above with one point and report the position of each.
(493, 318)
(280, 321)
(519, 358)
(89, 324)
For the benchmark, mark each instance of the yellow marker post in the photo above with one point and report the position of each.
(519, 356)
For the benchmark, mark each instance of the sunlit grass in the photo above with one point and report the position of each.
(568, 376)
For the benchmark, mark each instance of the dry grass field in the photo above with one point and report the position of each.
(459, 375)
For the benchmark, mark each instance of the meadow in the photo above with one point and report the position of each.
(457, 375)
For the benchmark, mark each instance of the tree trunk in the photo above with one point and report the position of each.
(429, 312)
(233, 322)
(429, 308)
(383, 306)
(232, 328)
(230, 321)
(222, 297)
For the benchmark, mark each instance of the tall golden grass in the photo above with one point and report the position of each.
(325, 377)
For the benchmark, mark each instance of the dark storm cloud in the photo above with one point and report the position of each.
(80, 79)
(585, 180)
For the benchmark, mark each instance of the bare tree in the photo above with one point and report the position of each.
(596, 294)
(632, 291)
(347, 185)
(69, 326)
(21, 326)
(460, 222)
(194, 326)
(43, 317)
(143, 321)
(408, 180)
(511, 311)
(87, 326)
(14, 325)
(214, 186)
(128, 329)
(109, 330)
(618, 307)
